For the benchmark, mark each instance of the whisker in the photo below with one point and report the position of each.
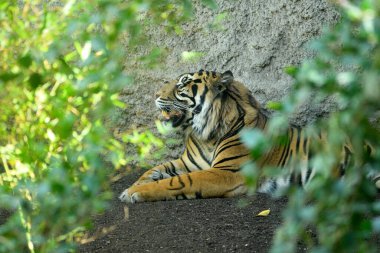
(182, 108)
(167, 105)
(165, 102)
(179, 105)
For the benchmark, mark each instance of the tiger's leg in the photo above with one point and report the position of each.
(199, 184)
(162, 171)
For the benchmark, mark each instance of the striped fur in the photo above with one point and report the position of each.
(212, 108)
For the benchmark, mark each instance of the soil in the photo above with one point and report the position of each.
(205, 225)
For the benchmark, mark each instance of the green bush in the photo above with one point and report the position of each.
(334, 215)
(61, 67)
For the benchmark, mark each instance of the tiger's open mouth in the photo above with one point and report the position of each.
(174, 116)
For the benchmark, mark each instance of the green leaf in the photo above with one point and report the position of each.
(66, 125)
(255, 140)
(25, 61)
(274, 105)
(376, 224)
(35, 80)
(291, 70)
(191, 56)
(187, 7)
(8, 76)
(210, 3)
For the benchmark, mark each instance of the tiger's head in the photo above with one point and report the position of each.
(185, 99)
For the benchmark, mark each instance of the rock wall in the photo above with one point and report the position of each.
(256, 40)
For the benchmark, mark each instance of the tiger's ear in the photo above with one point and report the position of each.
(226, 79)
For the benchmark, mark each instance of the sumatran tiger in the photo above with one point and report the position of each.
(212, 109)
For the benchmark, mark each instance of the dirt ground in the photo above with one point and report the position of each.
(206, 225)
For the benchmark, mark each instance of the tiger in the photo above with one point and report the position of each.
(212, 109)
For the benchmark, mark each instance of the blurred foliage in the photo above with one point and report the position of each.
(191, 56)
(331, 214)
(61, 68)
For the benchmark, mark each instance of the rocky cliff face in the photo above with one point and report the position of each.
(256, 40)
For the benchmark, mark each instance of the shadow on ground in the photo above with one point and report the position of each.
(206, 225)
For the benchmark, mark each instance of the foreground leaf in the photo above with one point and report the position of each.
(264, 213)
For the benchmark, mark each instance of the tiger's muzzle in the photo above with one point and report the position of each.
(170, 113)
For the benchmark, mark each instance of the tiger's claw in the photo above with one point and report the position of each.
(127, 197)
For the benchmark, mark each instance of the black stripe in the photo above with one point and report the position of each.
(253, 122)
(240, 109)
(194, 89)
(202, 98)
(184, 164)
(309, 169)
(231, 169)
(308, 174)
(184, 95)
(182, 184)
(233, 189)
(239, 124)
(229, 159)
(187, 122)
(284, 155)
(190, 180)
(252, 101)
(190, 148)
(305, 145)
(284, 147)
(224, 147)
(236, 94)
(298, 139)
(173, 168)
(221, 167)
(168, 170)
(265, 120)
(197, 109)
(179, 98)
(200, 151)
(299, 179)
(192, 160)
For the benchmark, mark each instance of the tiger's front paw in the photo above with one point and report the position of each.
(129, 196)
